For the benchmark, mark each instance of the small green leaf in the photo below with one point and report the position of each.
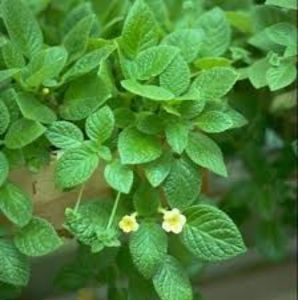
(171, 282)
(15, 204)
(152, 92)
(204, 152)
(33, 109)
(45, 65)
(76, 40)
(22, 26)
(138, 148)
(149, 123)
(290, 4)
(63, 134)
(188, 41)
(284, 34)
(75, 167)
(281, 76)
(15, 267)
(12, 55)
(153, 61)
(210, 234)
(257, 73)
(148, 248)
(215, 83)
(37, 238)
(7, 74)
(100, 125)
(176, 77)
(4, 117)
(119, 177)
(177, 135)
(158, 170)
(140, 30)
(183, 184)
(23, 132)
(214, 121)
(4, 168)
(217, 32)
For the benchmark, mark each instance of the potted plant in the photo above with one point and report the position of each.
(118, 104)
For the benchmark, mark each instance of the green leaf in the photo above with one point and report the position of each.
(23, 132)
(177, 134)
(119, 177)
(76, 40)
(212, 62)
(189, 41)
(138, 148)
(4, 168)
(87, 63)
(158, 170)
(75, 167)
(183, 184)
(84, 96)
(140, 30)
(37, 238)
(214, 121)
(176, 77)
(153, 61)
(63, 134)
(104, 152)
(45, 65)
(149, 123)
(211, 235)
(238, 120)
(257, 73)
(217, 32)
(148, 248)
(12, 55)
(22, 27)
(215, 83)
(204, 152)
(8, 97)
(152, 92)
(15, 267)
(290, 4)
(7, 74)
(284, 34)
(171, 282)
(281, 76)
(4, 117)
(100, 125)
(146, 200)
(15, 204)
(33, 109)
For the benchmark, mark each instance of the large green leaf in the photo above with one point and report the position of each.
(45, 65)
(4, 117)
(214, 121)
(138, 148)
(153, 61)
(75, 167)
(100, 125)
(171, 282)
(22, 133)
(215, 83)
(140, 30)
(148, 248)
(206, 153)
(183, 184)
(15, 204)
(37, 238)
(284, 34)
(14, 266)
(119, 177)
(217, 31)
(152, 92)
(176, 77)
(33, 109)
(4, 168)
(22, 26)
(189, 41)
(210, 234)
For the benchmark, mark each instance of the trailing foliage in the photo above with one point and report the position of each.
(141, 90)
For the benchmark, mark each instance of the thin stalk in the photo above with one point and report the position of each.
(113, 213)
(80, 195)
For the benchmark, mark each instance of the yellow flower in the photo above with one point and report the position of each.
(129, 223)
(173, 221)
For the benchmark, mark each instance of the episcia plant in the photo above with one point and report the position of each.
(134, 90)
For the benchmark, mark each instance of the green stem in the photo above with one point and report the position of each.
(113, 213)
(80, 195)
